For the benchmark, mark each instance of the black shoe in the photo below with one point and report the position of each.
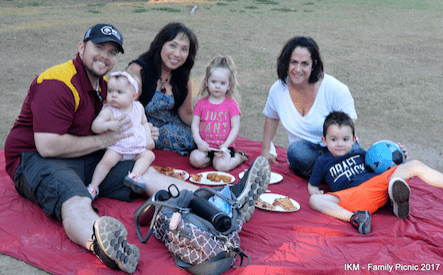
(254, 183)
(362, 221)
(400, 193)
(111, 247)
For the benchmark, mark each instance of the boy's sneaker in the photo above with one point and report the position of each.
(400, 193)
(362, 221)
(111, 247)
(255, 181)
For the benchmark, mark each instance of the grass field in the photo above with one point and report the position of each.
(389, 53)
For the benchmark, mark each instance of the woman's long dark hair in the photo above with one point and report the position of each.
(285, 57)
(151, 63)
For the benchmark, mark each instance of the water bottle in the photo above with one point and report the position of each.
(210, 212)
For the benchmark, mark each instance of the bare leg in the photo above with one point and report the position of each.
(143, 161)
(418, 169)
(156, 181)
(199, 159)
(226, 163)
(78, 220)
(109, 160)
(328, 204)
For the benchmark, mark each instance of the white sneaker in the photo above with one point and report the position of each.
(111, 247)
(400, 193)
(254, 183)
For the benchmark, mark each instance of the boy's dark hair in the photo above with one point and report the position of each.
(338, 118)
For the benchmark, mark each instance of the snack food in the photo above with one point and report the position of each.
(285, 203)
(196, 178)
(218, 177)
(169, 171)
(262, 204)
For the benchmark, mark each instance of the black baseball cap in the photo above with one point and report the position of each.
(103, 33)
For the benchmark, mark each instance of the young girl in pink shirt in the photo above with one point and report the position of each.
(216, 120)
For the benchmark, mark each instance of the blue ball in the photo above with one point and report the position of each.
(383, 155)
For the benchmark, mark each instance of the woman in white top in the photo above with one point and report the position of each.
(301, 99)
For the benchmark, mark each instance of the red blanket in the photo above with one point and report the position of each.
(301, 242)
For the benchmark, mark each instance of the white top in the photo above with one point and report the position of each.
(332, 96)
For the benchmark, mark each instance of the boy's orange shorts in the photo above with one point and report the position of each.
(370, 195)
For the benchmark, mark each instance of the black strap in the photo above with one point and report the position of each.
(217, 265)
(242, 255)
(151, 226)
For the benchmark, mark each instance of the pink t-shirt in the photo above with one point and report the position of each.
(215, 120)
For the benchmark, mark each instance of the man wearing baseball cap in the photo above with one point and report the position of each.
(51, 151)
(104, 32)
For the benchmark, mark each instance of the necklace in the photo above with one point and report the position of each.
(163, 89)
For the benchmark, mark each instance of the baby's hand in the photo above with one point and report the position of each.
(116, 123)
(150, 144)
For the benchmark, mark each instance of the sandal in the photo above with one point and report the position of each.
(135, 182)
(93, 191)
(244, 156)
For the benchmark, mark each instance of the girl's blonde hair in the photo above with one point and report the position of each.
(225, 63)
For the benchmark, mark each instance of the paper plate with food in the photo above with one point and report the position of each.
(212, 178)
(172, 172)
(276, 202)
(275, 177)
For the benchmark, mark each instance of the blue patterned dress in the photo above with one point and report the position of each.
(174, 134)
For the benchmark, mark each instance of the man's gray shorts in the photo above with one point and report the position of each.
(51, 181)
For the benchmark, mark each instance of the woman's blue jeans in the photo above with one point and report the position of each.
(302, 155)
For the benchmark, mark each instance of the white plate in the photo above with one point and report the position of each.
(275, 178)
(183, 172)
(204, 179)
(270, 197)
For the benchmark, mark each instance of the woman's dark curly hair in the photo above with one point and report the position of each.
(285, 57)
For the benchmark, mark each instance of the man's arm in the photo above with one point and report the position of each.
(70, 146)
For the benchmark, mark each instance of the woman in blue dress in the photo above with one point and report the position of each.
(165, 71)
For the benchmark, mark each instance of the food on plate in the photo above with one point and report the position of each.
(169, 171)
(262, 204)
(218, 177)
(285, 203)
(196, 177)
